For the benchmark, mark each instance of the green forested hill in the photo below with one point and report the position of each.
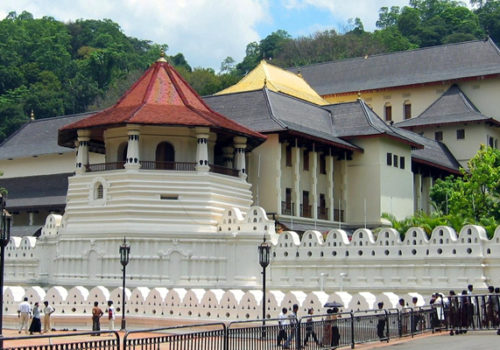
(54, 68)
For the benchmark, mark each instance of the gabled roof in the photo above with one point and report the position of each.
(38, 137)
(430, 64)
(452, 107)
(160, 97)
(356, 119)
(267, 111)
(277, 80)
(434, 153)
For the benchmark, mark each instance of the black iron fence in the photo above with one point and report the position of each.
(456, 314)
(104, 340)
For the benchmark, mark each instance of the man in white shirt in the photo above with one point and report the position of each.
(24, 313)
(283, 323)
(47, 311)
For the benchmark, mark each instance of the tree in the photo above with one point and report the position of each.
(474, 197)
(388, 18)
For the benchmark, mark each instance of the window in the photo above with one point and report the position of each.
(401, 162)
(288, 155)
(288, 198)
(389, 158)
(388, 112)
(438, 136)
(306, 160)
(460, 134)
(395, 161)
(407, 110)
(322, 164)
(99, 191)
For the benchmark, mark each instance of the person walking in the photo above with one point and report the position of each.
(47, 311)
(24, 314)
(294, 328)
(96, 317)
(381, 322)
(36, 323)
(282, 324)
(310, 328)
(111, 315)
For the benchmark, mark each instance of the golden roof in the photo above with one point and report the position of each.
(278, 80)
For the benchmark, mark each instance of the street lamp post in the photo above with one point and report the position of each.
(4, 240)
(124, 258)
(264, 249)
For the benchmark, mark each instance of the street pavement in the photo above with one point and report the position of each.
(483, 340)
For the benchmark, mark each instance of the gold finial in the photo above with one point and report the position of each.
(265, 81)
(162, 57)
(359, 95)
(299, 73)
(32, 115)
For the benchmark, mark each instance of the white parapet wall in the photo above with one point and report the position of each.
(73, 306)
(383, 262)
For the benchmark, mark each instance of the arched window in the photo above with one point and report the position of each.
(165, 156)
(98, 191)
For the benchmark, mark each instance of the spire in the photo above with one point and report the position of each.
(162, 57)
(32, 115)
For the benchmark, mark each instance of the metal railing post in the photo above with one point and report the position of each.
(352, 330)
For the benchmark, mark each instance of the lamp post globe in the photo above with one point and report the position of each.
(124, 259)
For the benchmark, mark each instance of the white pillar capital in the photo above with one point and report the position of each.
(133, 159)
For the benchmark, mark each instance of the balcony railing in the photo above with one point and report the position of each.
(154, 165)
(305, 211)
(104, 166)
(179, 166)
(322, 213)
(287, 208)
(223, 170)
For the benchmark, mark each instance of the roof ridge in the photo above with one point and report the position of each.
(266, 91)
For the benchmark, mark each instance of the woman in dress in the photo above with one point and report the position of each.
(36, 323)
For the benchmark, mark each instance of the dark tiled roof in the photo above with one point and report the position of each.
(452, 107)
(434, 153)
(159, 97)
(36, 191)
(22, 231)
(267, 111)
(356, 119)
(38, 137)
(430, 64)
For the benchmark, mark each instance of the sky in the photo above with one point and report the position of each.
(208, 31)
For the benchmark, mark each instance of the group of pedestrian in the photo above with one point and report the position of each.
(289, 322)
(25, 313)
(97, 313)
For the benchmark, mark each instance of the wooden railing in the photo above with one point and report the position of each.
(179, 166)
(223, 170)
(104, 166)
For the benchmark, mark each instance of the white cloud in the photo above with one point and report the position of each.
(205, 31)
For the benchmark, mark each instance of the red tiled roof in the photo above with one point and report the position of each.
(161, 97)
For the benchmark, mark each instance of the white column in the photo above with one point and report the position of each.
(344, 187)
(426, 191)
(417, 192)
(313, 156)
(296, 195)
(330, 192)
(202, 135)
(82, 155)
(228, 157)
(31, 218)
(133, 151)
(240, 144)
